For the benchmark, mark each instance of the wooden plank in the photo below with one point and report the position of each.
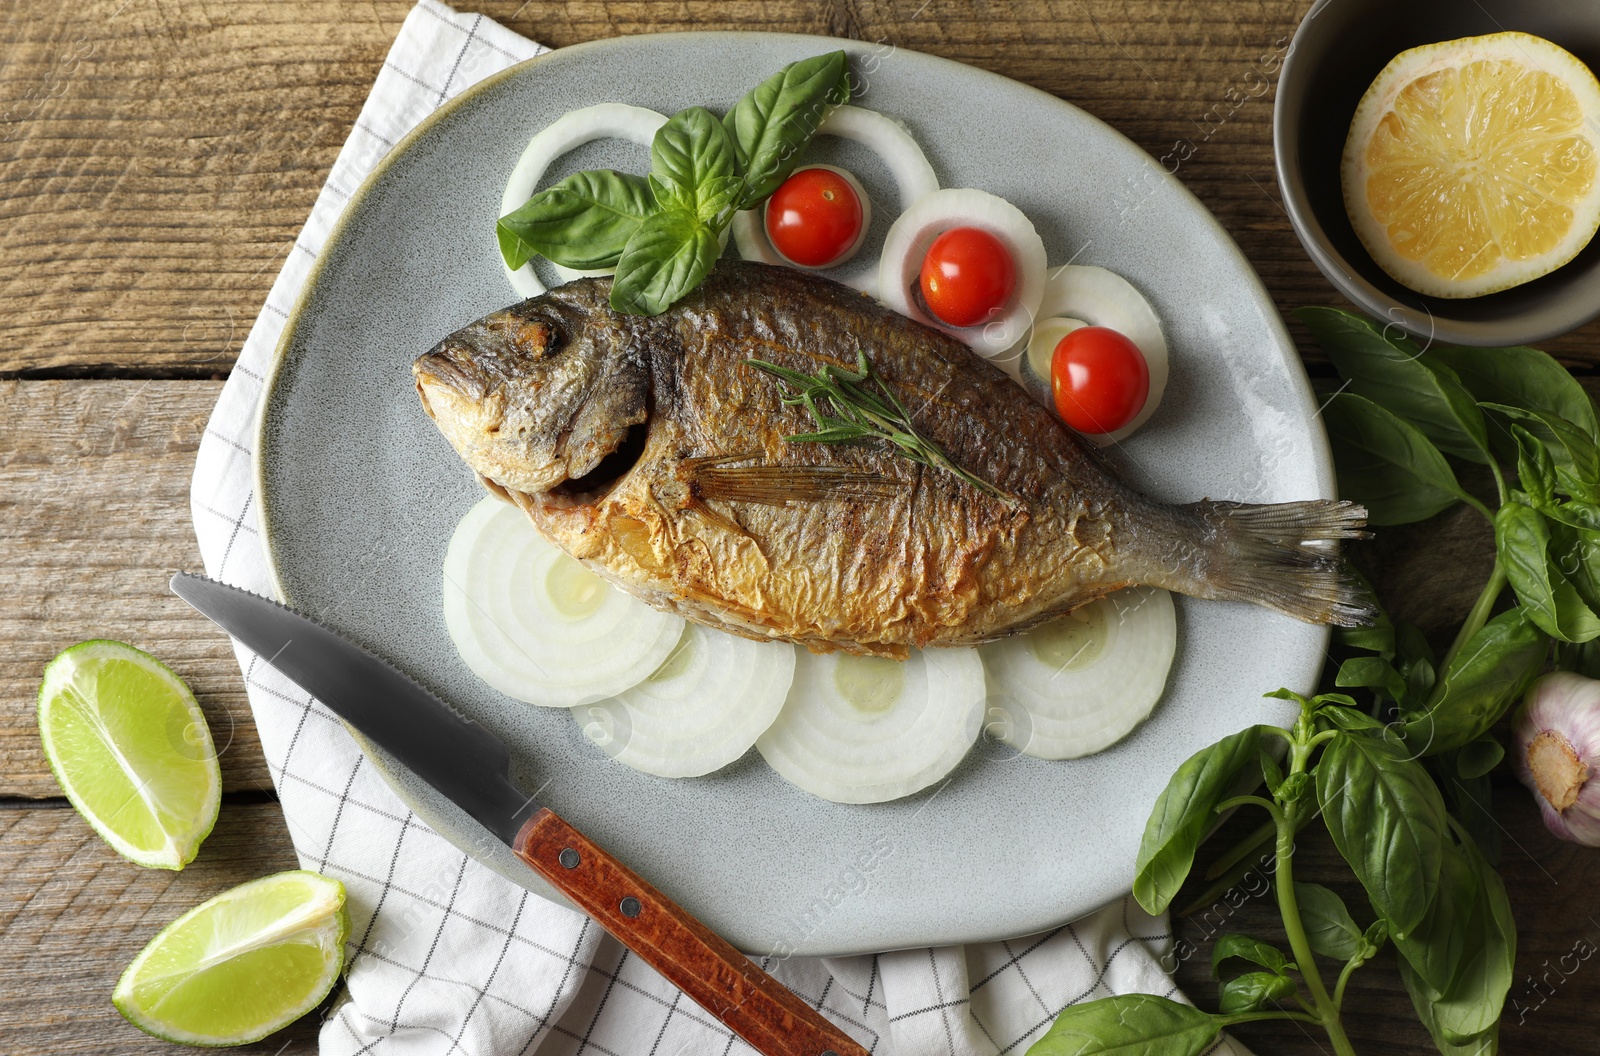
(177, 148)
(1550, 884)
(94, 518)
(73, 914)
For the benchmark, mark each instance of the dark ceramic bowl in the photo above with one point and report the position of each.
(1337, 51)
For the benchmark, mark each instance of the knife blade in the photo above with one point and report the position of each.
(471, 766)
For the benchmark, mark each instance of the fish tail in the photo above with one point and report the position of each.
(1283, 556)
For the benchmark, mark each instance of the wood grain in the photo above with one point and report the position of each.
(73, 914)
(159, 158)
(94, 518)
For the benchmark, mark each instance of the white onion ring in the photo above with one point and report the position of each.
(699, 711)
(1103, 298)
(933, 214)
(510, 609)
(902, 739)
(914, 179)
(568, 132)
(1083, 681)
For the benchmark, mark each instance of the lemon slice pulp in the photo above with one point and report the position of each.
(1471, 164)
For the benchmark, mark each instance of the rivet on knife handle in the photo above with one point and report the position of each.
(718, 977)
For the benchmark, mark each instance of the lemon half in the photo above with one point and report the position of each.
(1471, 164)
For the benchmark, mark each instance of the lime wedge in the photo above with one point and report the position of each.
(234, 969)
(130, 748)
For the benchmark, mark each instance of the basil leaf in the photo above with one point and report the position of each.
(1472, 1003)
(1536, 470)
(1371, 672)
(1477, 757)
(771, 125)
(1184, 813)
(1522, 377)
(1252, 990)
(691, 162)
(1394, 373)
(582, 222)
(1484, 680)
(1522, 540)
(1128, 1025)
(1387, 819)
(1348, 719)
(1422, 999)
(1473, 801)
(1572, 451)
(665, 259)
(1330, 929)
(1385, 464)
(1245, 948)
(1435, 946)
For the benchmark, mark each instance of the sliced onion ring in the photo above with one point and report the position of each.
(701, 710)
(537, 625)
(1097, 297)
(568, 132)
(914, 179)
(908, 241)
(868, 730)
(1083, 681)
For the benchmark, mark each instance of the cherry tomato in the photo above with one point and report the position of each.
(1100, 379)
(967, 277)
(814, 218)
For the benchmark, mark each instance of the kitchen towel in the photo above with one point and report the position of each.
(447, 957)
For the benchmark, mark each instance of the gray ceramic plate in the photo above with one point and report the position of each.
(359, 495)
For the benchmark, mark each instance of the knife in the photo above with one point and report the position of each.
(472, 767)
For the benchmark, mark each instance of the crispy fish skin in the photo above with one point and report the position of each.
(649, 449)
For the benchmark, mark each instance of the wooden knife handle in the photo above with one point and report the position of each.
(718, 977)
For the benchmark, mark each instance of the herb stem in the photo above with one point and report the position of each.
(1344, 977)
(1475, 621)
(1257, 801)
(1256, 1017)
(1288, 905)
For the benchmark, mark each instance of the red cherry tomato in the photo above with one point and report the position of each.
(814, 218)
(1100, 379)
(967, 276)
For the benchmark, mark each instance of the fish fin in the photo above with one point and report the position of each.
(781, 485)
(1283, 556)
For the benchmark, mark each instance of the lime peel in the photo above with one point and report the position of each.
(284, 934)
(130, 747)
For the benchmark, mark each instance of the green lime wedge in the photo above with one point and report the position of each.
(248, 962)
(130, 748)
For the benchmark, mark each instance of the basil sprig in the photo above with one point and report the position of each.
(1400, 781)
(664, 232)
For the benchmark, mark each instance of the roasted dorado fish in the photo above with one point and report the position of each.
(651, 450)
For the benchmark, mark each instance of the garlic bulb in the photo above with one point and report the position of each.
(1557, 753)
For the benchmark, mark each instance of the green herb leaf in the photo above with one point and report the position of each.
(665, 259)
(1128, 1025)
(1525, 378)
(1371, 672)
(1572, 451)
(1478, 757)
(1423, 999)
(1247, 949)
(1389, 369)
(1522, 540)
(1386, 464)
(1184, 813)
(1536, 470)
(1330, 929)
(1387, 819)
(1434, 947)
(1473, 801)
(771, 125)
(1486, 677)
(1252, 990)
(691, 163)
(582, 222)
(1349, 719)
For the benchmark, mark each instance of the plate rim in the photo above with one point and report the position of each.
(1287, 354)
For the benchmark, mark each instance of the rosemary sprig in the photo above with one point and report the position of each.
(852, 406)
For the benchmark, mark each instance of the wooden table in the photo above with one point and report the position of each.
(156, 160)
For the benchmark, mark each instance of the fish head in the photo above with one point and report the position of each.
(537, 397)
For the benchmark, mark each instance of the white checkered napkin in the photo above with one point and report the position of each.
(448, 957)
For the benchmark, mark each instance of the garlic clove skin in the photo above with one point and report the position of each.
(1556, 751)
